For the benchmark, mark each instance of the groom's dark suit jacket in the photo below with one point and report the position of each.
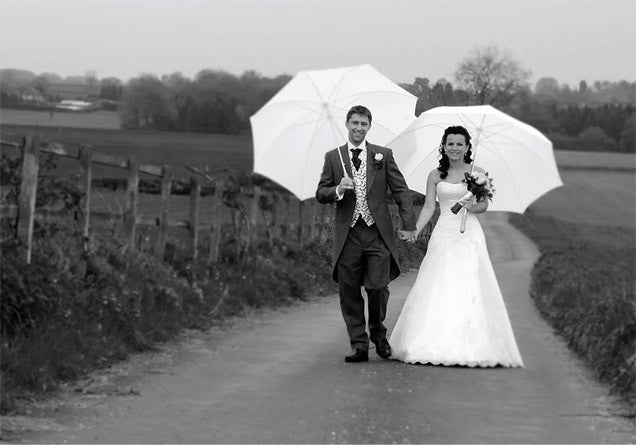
(381, 177)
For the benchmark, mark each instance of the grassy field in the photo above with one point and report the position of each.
(595, 160)
(598, 197)
(214, 151)
(583, 284)
(105, 120)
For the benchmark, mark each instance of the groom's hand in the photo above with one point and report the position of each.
(346, 183)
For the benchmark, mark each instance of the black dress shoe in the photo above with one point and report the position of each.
(382, 348)
(359, 355)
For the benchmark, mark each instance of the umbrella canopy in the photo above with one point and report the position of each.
(306, 118)
(516, 155)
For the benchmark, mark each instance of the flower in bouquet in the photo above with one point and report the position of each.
(479, 185)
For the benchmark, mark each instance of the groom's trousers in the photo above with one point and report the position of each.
(365, 261)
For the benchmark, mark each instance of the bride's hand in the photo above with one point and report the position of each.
(408, 235)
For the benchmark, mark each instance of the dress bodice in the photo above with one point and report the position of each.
(448, 194)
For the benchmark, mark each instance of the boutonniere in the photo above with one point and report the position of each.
(377, 160)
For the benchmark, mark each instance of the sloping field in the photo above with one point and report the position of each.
(595, 160)
(599, 189)
(215, 151)
(107, 120)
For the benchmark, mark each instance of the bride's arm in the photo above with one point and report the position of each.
(480, 207)
(429, 205)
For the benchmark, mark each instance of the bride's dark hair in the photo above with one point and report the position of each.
(444, 162)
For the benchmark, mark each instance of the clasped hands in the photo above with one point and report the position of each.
(346, 183)
(408, 235)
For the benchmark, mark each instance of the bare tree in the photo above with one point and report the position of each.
(491, 76)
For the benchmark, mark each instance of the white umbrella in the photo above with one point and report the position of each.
(516, 155)
(306, 118)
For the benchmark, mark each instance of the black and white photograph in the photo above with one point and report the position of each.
(318, 221)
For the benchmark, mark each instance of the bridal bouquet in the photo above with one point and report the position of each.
(479, 185)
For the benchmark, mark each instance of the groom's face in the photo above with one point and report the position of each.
(358, 126)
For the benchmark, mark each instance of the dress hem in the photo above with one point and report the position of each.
(470, 364)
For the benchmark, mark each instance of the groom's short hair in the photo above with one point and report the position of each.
(361, 110)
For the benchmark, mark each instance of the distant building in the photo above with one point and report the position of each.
(73, 105)
(32, 96)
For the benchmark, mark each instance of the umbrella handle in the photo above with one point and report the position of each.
(462, 226)
(344, 169)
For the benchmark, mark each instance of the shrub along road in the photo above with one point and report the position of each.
(279, 376)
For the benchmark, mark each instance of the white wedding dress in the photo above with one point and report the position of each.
(455, 314)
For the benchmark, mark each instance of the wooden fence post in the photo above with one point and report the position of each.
(274, 223)
(329, 212)
(215, 225)
(322, 222)
(132, 198)
(312, 221)
(301, 206)
(162, 235)
(28, 191)
(284, 224)
(256, 204)
(195, 204)
(86, 161)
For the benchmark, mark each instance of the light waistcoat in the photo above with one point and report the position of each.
(360, 186)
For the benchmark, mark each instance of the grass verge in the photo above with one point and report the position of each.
(70, 311)
(583, 284)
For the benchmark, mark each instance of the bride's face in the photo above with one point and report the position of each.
(455, 146)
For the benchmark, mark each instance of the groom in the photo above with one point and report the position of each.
(364, 250)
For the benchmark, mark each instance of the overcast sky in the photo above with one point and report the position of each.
(567, 40)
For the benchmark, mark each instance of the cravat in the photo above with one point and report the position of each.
(356, 160)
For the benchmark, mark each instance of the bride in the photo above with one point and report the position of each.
(454, 314)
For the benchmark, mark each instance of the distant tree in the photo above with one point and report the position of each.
(627, 142)
(41, 84)
(9, 94)
(215, 101)
(90, 78)
(16, 76)
(111, 88)
(147, 104)
(595, 139)
(52, 77)
(442, 93)
(547, 89)
(74, 80)
(491, 77)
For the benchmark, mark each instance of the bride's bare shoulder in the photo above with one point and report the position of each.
(434, 175)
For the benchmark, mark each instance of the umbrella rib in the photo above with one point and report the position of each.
(338, 85)
(422, 160)
(294, 124)
(313, 136)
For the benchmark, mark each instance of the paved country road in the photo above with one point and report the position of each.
(279, 376)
